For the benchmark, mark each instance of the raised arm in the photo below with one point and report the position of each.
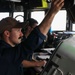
(45, 25)
(36, 38)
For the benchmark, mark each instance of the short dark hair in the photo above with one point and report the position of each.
(31, 21)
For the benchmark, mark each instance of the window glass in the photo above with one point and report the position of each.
(38, 15)
(59, 21)
(73, 27)
(3, 15)
(18, 16)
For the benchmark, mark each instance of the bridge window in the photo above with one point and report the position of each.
(38, 15)
(73, 27)
(3, 15)
(59, 22)
(19, 16)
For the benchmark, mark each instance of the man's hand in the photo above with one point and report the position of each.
(40, 63)
(56, 5)
(45, 25)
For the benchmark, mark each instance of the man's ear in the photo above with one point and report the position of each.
(7, 33)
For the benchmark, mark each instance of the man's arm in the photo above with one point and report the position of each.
(45, 25)
(27, 63)
(31, 45)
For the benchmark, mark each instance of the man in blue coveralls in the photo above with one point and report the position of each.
(30, 25)
(13, 52)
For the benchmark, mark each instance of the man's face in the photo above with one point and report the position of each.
(31, 28)
(15, 36)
